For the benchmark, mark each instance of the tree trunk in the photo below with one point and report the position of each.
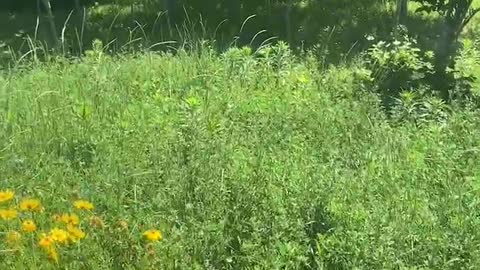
(402, 12)
(51, 21)
(80, 11)
(447, 45)
(234, 9)
(444, 58)
(78, 7)
(171, 7)
(39, 8)
(288, 22)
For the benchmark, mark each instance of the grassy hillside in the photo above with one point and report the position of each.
(241, 161)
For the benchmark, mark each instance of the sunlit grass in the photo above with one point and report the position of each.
(232, 161)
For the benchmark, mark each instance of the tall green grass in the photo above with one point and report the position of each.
(245, 161)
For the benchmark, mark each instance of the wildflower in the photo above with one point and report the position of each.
(52, 254)
(6, 195)
(83, 205)
(75, 234)
(59, 235)
(7, 214)
(96, 222)
(30, 205)
(29, 226)
(46, 241)
(13, 237)
(153, 235)
(70, 219)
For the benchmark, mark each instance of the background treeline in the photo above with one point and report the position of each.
(334, 30)
(301, 23)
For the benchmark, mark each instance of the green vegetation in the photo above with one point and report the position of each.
(137, 136)
(244, 161)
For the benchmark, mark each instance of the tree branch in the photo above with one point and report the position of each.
(469, 17)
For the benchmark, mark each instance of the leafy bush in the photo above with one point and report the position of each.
(419, 108)
(398, 66)
(399, 71)
(467, 73)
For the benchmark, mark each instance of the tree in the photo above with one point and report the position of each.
(288, 21)
(456, 14)
(234, 10)
(51, 21)
(171, 7)
(402, 11)
(78, 7)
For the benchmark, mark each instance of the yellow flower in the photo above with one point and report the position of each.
(7, 214)
(83, 205)
(30, 205)
(75, 234)
(46, 241)
(153, 235)
(70, 219)
(52, 254)
(59, 236)
(6, 195)
(29, 226)
(13, 237)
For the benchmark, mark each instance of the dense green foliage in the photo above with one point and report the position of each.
(279, 134)
(245, 161)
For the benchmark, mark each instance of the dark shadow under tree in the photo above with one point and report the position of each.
(455, 15)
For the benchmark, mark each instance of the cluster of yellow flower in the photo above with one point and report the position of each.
(66, 231)
(66, 228)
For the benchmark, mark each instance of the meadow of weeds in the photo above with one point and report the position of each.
(240, 160)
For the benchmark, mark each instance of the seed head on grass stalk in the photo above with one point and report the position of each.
(97, 222)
